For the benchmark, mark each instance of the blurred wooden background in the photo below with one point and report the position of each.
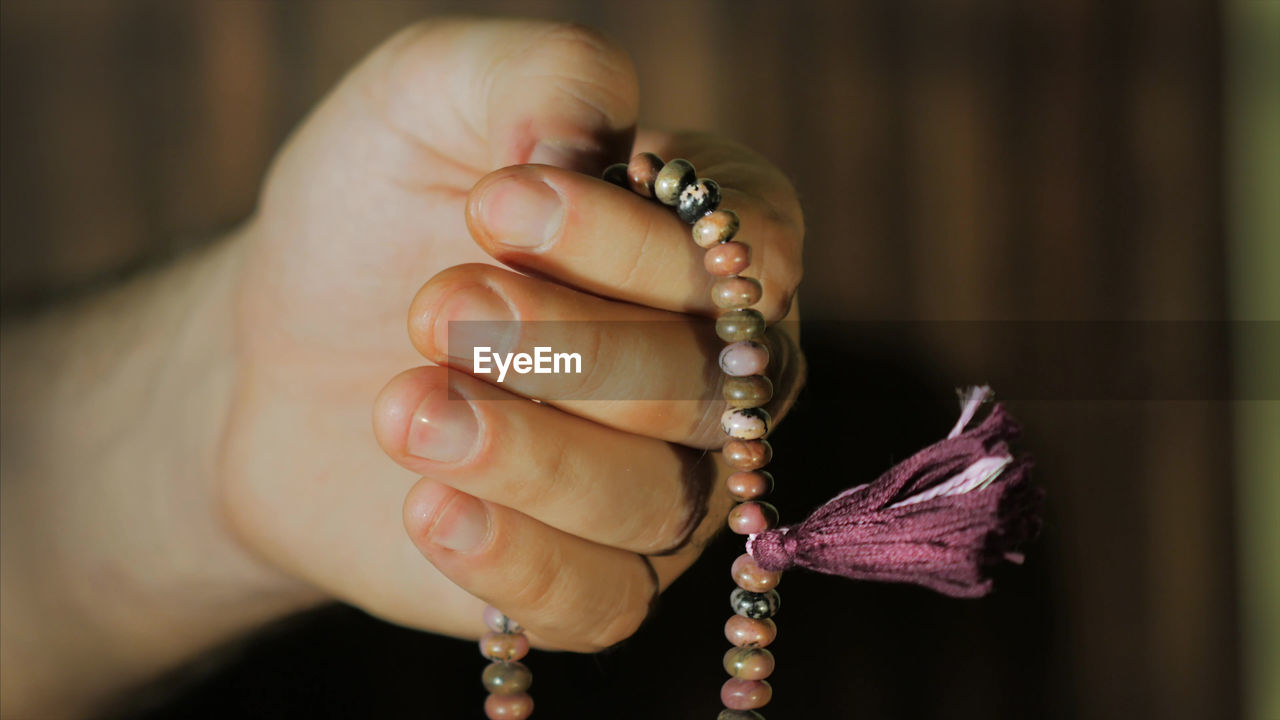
(971, 173)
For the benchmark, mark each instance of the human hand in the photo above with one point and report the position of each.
(404, 173)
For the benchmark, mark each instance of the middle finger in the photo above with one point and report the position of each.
(638, 369)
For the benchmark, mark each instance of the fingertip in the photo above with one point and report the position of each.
(443, 521)
(394, 408)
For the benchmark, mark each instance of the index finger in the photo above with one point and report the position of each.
(608, 241)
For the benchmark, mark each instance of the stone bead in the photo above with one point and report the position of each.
(504, 647)
(750, 632)
(748, 454)
(507, 678)
(508, 707)
(732, 293)
(726, 259)
(755, 605)
(744, 358)
(749, 484)
(751, 577)
(749, 518)
(738, 325)
(642, 172)
(749, 391)
(739, 694)
(500, 623)
(739, 715)
(715, 228)
(698, 199)
(748, 663)
(672, 179)
(745, 423)
(617, 174)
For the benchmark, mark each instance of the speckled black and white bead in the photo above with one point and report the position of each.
(698, 199)
(672, 179)
(755, 605)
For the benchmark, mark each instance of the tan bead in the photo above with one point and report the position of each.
(729, 258)
(750, 576)
(507, 678)
(737, 325)
(748, 663)
(642, 172)
(747, 392)
(736, 292)
(504, 646)
(672, 179)
(747, 454)
(715, 228)
(750, 632)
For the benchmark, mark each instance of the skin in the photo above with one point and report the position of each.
(189, 455)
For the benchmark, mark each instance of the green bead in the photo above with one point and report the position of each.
(737, 325)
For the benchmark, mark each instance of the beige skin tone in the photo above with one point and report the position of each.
(189, 456)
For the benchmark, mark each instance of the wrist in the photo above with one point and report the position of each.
(116, 552)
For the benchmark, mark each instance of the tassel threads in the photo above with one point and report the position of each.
(941, 518)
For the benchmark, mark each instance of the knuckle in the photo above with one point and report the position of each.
(629, 612)
(541, 589)
(591, 69)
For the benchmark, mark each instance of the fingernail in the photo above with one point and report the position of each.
(522, 213)
(444, 429)
(462, 525)
(471, 317)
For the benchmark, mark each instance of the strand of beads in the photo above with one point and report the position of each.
(746, 389)
(506, 678)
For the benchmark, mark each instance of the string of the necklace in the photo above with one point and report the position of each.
(943, 518)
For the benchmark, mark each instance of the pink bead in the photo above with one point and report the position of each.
(739, 694)
(749, 518)
(748, 484)
(744, 358)
(745, 423)
(727, 259)
(747, 454)
(750, 576)
(500, 623)
(512, 707)
(750, 632)
(715, 228)
(642, 171)
(504, 646)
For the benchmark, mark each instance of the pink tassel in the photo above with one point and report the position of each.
(942, 518)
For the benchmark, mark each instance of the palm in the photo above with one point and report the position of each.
(363, 206)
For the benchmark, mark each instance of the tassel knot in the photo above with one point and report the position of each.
(941, 518)
(774, 551)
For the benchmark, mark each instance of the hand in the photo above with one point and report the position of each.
(547, 511)
(189, 455)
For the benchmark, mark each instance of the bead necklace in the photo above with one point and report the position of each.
(942, 518)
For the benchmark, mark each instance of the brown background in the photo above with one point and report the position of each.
(972, 173)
